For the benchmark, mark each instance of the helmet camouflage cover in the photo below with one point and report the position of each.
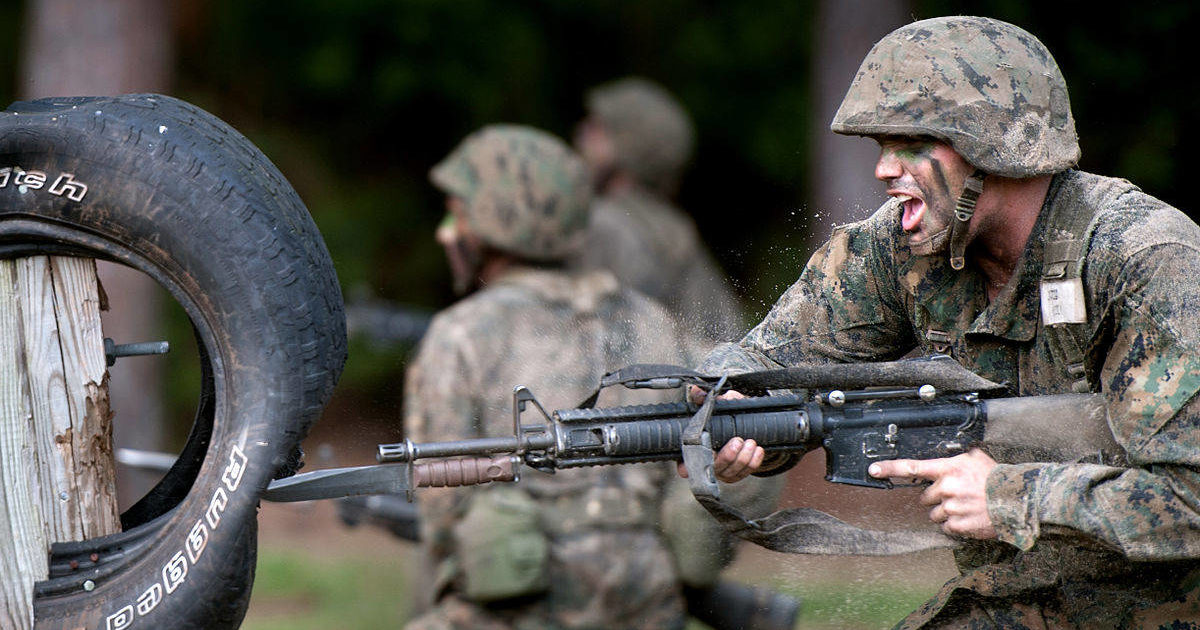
(651, 131)
(989, 89)
(526, 193)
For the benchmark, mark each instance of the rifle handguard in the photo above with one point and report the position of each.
(450, 473)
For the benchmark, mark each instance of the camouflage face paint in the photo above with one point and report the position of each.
(922, 173)
(912, 150)
(463, 253)
(939, 174)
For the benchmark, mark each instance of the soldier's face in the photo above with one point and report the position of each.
(927, 176)
(596, 146)
(464, 251)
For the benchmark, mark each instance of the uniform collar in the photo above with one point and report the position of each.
(582, 290)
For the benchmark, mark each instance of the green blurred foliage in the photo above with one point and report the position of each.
(293, 590)
(296, 590)
(356, 99)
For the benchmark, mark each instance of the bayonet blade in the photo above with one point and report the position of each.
(335, 483)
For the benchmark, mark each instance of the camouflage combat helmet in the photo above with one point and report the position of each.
(650, 130)
(989, 89)
(526, 193)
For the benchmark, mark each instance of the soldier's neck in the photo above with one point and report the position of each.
(494, 266)
(618, 183)
(1005, 216)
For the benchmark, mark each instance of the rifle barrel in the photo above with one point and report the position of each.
(407, 451)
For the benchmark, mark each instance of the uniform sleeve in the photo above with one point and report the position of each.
(439, 404)
(846, 307)
(1148, 510)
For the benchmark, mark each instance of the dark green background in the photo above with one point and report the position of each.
(356, 99)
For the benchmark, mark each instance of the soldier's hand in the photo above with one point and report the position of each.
(734, 462)
(697, 395)
(738, 458)
(958, 494)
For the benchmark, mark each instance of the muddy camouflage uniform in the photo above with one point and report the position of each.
(580, 548)
(638, 234)
(1081, 544)
(608, 565)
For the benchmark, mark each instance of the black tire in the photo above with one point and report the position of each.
(164, 187)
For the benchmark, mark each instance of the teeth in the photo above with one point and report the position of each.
(902, 197)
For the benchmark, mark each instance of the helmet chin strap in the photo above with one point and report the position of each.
(964, 209)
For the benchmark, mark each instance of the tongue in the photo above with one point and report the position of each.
(914, 210)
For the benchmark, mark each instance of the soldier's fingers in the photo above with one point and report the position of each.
(930, 469)
(697, 395)
(932, 495)
(681, 470)
(938, 514)
(729, 453)
(749, 459)
(737, 459)
(759, 455)
(747, 455)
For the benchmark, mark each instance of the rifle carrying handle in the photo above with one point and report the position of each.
(471, 471)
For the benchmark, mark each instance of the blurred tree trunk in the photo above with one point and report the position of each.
(843, 188)
(96, 48)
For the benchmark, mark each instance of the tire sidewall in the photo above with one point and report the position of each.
(238, 257)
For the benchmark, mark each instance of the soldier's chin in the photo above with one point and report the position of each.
(922, 245)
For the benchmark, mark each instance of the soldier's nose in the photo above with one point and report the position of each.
(887, 167)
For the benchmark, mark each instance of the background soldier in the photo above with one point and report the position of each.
(636, 140)
(992, 249)
(579, 549)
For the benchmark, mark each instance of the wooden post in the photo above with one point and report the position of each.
(57, 471)
(73, 48)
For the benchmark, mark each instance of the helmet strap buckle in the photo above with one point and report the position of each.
(964, 209)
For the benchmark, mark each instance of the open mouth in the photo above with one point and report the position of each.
(914, 211)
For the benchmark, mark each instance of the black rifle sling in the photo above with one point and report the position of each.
(941, 371)
(645, 374)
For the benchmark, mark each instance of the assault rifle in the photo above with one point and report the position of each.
(858, 413)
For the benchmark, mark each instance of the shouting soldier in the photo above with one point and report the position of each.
(995, 250)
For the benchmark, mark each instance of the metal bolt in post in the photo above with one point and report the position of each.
(113, 350)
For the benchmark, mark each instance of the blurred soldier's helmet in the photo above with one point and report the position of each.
(526, 193)
(651, 131)
(987, 88)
